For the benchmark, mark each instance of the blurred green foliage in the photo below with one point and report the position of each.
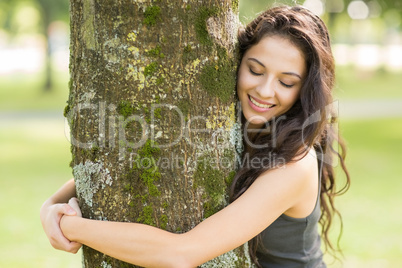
(355, 83)
(34, 16)
(387, 12)
(384, 16)
(38, 13)
(23, 92)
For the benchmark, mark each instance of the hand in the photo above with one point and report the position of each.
(50, 218)
(73, 203)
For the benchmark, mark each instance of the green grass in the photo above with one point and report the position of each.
(33, 163)
(25, 92)
(354, 83)
(371, 208)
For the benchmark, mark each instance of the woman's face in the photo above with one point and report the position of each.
(270, 77)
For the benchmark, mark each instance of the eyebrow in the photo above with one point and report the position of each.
(287, 73)
(294, 74)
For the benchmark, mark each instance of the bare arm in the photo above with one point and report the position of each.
(51, 213)
(62, 195)
(272, 194)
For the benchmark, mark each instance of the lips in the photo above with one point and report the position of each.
(259, 105)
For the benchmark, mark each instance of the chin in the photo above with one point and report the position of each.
(256, 123)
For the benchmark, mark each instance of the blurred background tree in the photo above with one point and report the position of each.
(34, 16)
(386, 15)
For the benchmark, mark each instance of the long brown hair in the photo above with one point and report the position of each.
(308, 124)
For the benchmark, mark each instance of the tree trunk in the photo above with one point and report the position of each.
(152, 113)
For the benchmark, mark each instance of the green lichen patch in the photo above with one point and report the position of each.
(158, 113)
(229, 178)
(143, 175)
(163, 221)
(66, 110)
(160, 81)
(212, 181)
(156, 52)
(189, 54)
(201, 24)
(150, 69)
(152, 15)
(235, 5)
(125, 109)
(91, 154)
(218, 78)
(184, 106)
(147, 215)
(188, 48)
(145, 166)
(72, 150)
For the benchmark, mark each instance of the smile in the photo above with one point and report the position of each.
(262, 106)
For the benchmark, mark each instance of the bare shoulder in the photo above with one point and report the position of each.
(299, 183)
(299, 169)
(294, 184)
(305, 163)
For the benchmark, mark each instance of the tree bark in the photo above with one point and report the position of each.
(152, 113)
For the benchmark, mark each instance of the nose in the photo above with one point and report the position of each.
(267, 88)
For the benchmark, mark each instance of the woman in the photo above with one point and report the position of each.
(285, 78)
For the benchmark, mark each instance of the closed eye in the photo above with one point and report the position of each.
(254, 73)
(286, 85)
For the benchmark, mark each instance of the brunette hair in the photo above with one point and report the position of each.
(308, 124)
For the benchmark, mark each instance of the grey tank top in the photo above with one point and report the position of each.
(293, 242)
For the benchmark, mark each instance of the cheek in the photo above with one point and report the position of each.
(240, 84)
(291, 97)
(243, 83)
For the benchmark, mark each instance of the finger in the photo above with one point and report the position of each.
(68, 210)
(73, 202)
(73, 247)
(59, 241)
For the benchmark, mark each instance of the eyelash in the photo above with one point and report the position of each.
(258, 74)
(286, 85)
(254, 73)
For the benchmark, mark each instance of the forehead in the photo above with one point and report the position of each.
(278, 52)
